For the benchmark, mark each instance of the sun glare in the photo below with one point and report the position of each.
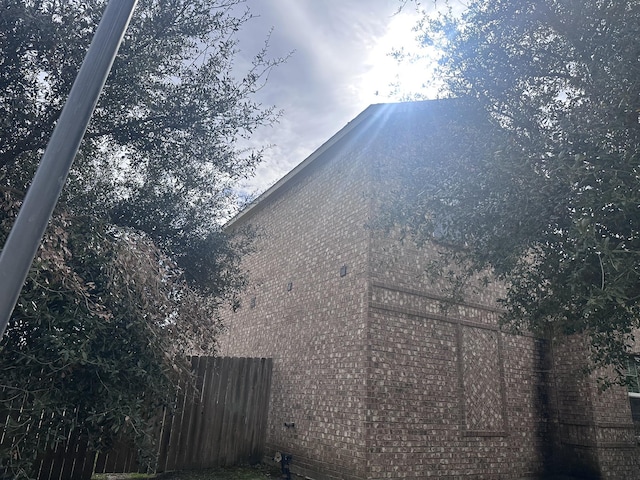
(393, 79)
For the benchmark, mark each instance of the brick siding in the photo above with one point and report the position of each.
(378, 380)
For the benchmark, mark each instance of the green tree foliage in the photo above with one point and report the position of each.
(547, 195)
(134, 265)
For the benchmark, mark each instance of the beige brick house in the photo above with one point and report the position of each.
(371, 378)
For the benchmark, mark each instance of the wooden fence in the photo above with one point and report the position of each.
(220, 420)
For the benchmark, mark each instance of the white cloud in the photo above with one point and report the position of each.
(339, 63)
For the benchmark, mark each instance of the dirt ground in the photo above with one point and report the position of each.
(258, 472)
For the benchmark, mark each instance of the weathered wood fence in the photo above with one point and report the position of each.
(220, 420)
(227, 424)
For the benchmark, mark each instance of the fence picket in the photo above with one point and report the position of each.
(219, 420)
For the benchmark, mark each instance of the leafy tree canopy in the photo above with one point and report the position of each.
(161, 151)
(134, 265)
(547, 196)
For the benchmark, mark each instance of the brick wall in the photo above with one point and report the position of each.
(309, 318)
(595, 434)
(449, 395)
(380, 380)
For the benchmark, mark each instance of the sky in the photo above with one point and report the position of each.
(340, 65)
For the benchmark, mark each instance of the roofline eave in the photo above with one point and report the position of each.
(340, 135)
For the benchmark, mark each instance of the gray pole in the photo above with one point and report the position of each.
(23, 241)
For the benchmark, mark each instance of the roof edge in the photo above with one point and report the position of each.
(343, 132)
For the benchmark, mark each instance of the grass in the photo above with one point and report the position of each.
(258, 472)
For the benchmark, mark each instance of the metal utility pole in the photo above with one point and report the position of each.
(25, 236)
